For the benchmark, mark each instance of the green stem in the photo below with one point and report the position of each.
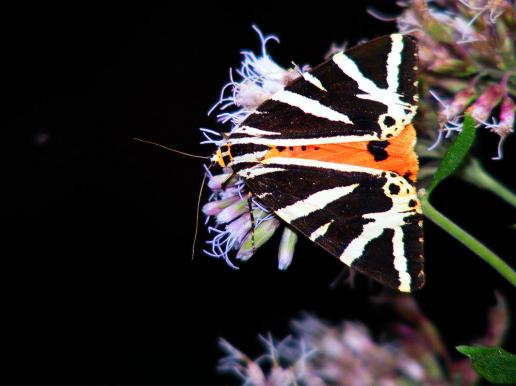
(475, 174)
(469, 241)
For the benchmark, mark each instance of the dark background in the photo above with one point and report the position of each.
(98, 282)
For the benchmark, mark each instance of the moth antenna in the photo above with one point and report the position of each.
(197, 213)
(198, 209)
(170, 149)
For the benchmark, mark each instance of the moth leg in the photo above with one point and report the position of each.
(253, 224)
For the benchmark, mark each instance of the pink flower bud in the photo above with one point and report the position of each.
(481, 109)
(507, 111)
(236, 209)
(213, 208)
(461, 100)
(239, 228)
(505, 126)
(216, 182)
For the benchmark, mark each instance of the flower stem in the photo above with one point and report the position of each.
(475, 174)
(469, 241)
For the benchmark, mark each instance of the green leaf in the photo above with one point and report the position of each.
(493, 363)
(456, 153)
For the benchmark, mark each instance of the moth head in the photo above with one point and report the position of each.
(223, 156)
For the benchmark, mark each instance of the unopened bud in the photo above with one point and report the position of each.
(452, 66)
(257, 237)
(213, 208)
(482, 107)
(286, 249)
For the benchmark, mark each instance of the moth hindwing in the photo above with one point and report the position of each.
(332, 154)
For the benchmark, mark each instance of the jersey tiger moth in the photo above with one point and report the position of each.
(332, 154)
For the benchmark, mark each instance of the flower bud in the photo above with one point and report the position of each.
(286, 249)
(452, 66)
(217, 182)
(257, 237)
(233, 211)
(505, 126)
(481, 109)
(213, 208)
(507, 111)
(250, 95)
(239, 228)
(459, 102)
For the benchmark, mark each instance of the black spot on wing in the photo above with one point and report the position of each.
(377, 149)
(390, 121)
(394, 189)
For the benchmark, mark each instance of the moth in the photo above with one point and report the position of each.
(332, 155)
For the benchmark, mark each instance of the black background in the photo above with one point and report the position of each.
(98, 282)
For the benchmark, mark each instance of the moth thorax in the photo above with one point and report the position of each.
(223, 156)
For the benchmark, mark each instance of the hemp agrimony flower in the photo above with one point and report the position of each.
(467, 61)
(318, 353)
(237, 221)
